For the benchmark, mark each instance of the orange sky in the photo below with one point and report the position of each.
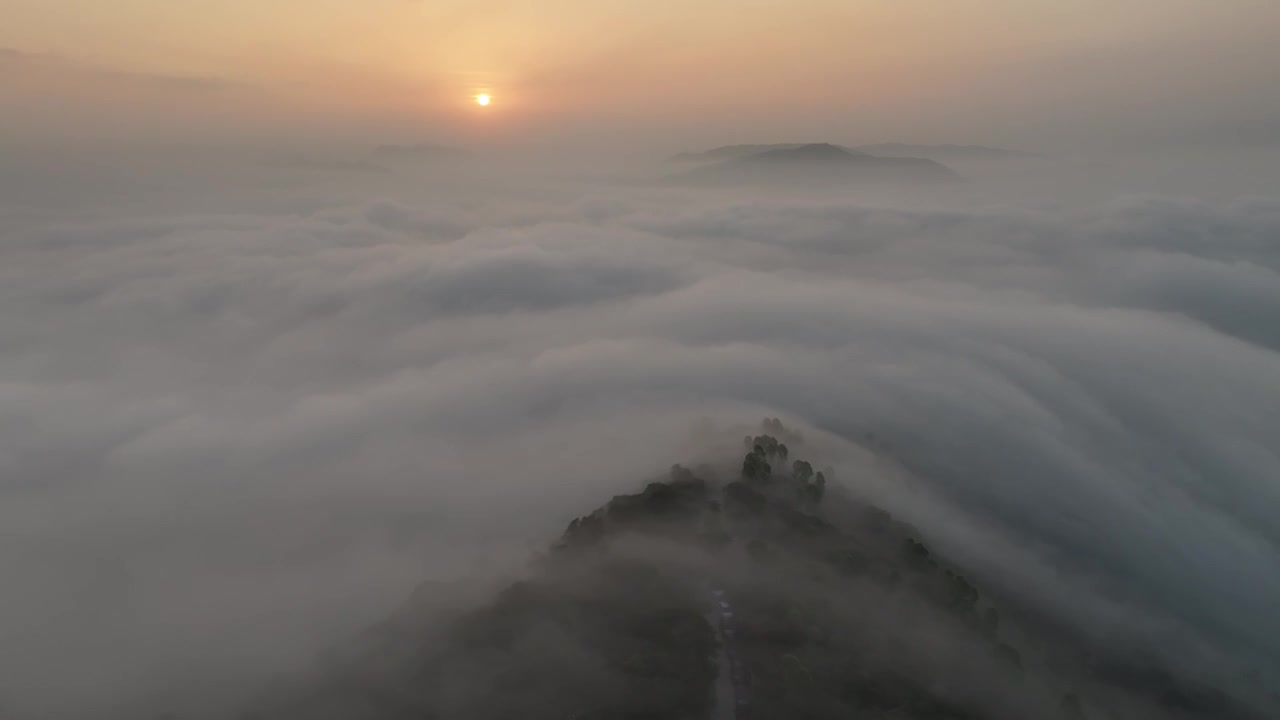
(662, 64)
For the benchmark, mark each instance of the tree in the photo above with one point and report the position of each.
(680, 473)
(802, 471)
(755, 467)
(768, 443)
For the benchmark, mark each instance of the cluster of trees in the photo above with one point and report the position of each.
(765, 450)
(618, 631)
(671, 507)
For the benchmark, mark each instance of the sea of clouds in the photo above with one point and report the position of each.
(244, 412)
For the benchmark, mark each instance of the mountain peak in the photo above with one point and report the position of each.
(765, 589)
(810, 152)
(816, 163)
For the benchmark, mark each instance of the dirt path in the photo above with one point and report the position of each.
(723, 709)
(731, 684)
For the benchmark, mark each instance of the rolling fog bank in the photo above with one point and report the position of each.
(250, 400)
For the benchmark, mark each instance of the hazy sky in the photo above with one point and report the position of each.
(248, 400)
(1031, 71)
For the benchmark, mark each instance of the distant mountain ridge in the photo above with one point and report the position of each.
(878, 150)
(814, 163)
(943, 151)
(727, 152)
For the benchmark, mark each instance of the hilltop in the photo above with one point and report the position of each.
(943, 152)
(838, 610)
(888, 150)
(734, 151)
(819, 163)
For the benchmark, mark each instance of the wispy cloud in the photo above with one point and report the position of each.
(299, 413)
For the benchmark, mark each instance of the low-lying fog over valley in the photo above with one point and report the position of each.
(250, 410)
(480, 360)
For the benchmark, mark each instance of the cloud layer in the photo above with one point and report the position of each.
(229, 436)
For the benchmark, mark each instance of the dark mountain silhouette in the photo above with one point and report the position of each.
(825, 607)
(932, 152)
(942, 152)
(734, 151)
(820, 163)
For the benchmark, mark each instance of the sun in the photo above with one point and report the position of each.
(483, 100)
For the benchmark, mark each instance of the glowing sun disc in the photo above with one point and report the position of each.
(483, 100)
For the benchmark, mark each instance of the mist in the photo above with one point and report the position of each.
(252, 399)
